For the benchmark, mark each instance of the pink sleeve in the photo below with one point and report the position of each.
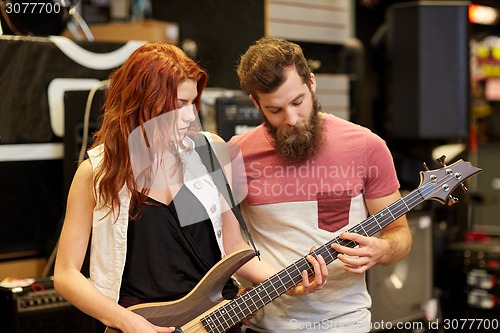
(381, 177)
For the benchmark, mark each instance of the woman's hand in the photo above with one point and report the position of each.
(138, 324)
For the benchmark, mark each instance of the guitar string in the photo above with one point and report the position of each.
(398, 207)
(412, 199)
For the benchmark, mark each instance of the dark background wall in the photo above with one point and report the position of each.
(221, 29)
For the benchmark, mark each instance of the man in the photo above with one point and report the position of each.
(311, 176)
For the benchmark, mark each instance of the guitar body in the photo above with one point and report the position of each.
(205, 297)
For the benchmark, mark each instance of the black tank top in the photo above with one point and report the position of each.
(164, 260)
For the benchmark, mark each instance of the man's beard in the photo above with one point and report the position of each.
(299, 142)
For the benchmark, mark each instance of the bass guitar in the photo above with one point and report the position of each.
(205, 310)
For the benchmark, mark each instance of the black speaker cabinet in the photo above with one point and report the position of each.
(34, 73)
(221, 29)
(486, 206)
(400, 292)
(428, 69)
(37, 307)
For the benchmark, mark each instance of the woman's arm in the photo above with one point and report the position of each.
(72, 248)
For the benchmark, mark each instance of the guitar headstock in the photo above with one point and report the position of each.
(438, 184)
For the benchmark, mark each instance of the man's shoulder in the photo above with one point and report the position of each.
(336, 124)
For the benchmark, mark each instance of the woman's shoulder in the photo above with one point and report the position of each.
(83, 179)
(85, 170)
(212, 137)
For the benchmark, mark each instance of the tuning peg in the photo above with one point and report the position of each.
(426, 168)
(453, 200)
(441, 161)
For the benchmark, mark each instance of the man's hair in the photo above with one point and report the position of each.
(262, 67)
(143, 88)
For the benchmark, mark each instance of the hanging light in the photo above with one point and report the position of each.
(483, 15)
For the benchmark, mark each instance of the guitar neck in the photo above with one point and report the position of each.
(242, 307)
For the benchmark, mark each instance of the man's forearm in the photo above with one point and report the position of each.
(399, 240)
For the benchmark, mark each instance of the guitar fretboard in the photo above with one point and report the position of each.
(242, 307)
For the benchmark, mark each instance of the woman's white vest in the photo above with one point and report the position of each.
(108, 249)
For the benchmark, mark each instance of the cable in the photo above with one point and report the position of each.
(9, 23)
(77, 21)
(86, 118)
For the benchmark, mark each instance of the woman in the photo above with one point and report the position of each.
(131, 197)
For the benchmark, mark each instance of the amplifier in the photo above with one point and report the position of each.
(236, 115)
(35, 306)
(474, 269)
(477, 255)
(400, 292)
(483, 288)
(484, 279)
(482, 299)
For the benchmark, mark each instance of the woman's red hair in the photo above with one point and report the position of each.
(144, 87)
